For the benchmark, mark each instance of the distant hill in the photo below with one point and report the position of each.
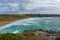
(44, 15)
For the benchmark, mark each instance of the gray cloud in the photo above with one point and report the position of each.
(29, 6)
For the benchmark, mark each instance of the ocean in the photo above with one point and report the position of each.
(44, 23)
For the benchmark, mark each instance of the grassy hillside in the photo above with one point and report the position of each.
(7, 18)
(29, 35)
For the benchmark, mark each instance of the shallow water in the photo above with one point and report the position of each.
(44, 23)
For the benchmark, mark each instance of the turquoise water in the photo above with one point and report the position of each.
(44, 23)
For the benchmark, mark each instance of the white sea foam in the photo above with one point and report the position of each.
(26, 24)
(47, 21)
(16, 31)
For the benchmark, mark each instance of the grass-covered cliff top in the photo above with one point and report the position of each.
(5, 18)
(30, 35)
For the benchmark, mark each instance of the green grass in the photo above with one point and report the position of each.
(27, 35)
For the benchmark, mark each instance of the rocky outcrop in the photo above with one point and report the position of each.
(44, 36)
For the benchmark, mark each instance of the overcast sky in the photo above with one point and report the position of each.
(30, 6)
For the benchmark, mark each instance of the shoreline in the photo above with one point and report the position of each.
(15, 21)
(21, 20)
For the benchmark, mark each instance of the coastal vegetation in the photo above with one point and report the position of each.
(58, 36)
(29, 35)
(6, 18)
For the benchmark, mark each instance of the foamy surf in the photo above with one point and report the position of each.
(17, 22)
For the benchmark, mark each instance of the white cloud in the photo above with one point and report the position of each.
(42, 3)
(15, 6)
(9, 7)
(30, 5)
